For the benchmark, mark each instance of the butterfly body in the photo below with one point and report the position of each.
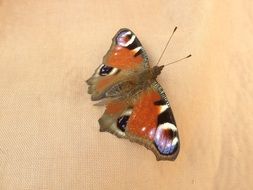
(136, 105)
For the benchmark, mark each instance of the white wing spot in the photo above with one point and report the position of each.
(163, 108)
(130, 41)
(136, 49)
(168, 126)
(114, 70)
(175, 141)
(127, 112)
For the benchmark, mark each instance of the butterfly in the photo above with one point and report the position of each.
(136, 105)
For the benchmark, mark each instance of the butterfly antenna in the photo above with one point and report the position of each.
(177, 60)
(166, 45)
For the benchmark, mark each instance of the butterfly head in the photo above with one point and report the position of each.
(156, 70)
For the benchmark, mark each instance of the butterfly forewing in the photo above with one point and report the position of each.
(125, 55)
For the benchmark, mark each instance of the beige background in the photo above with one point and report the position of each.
(49, 136)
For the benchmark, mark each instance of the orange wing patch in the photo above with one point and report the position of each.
(123, 58)
(105, 82)
(115, 107)
(143, 121)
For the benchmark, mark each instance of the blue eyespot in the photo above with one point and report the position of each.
(122, 122)
(166, 140)
(105, 70)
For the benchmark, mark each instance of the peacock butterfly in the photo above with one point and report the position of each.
(136, 105)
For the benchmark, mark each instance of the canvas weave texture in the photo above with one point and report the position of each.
(49, 133)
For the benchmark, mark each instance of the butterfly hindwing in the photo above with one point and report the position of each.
(111, 121)
(125, 55)
(148, 121)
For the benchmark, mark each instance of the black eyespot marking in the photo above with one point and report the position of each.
(166, 117)
(160, 102)
(122, 122)
(105, 70)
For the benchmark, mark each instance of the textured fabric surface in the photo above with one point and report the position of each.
(49, 134)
